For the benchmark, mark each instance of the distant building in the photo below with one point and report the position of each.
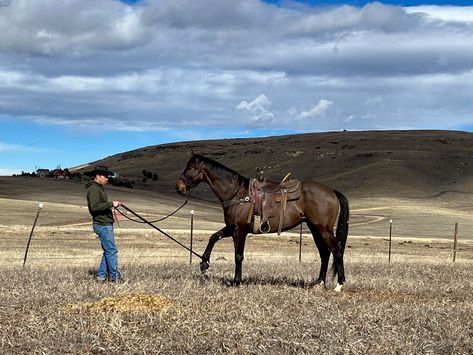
(60, 174)
(43, 172)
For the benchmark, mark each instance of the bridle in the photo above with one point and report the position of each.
(190, 186)
(196, 176)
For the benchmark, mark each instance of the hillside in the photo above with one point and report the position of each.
(383, 163)
(422, 180)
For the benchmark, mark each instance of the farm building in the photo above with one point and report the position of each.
(42, 172)
(60, 174)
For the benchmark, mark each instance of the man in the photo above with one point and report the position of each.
(101, 210)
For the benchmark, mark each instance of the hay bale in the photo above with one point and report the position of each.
(124, 303)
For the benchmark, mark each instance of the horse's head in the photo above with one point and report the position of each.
(191, 176)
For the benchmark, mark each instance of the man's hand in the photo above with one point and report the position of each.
(116, 204)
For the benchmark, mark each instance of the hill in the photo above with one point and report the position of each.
(410, 164)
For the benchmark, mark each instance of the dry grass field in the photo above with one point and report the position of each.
(420, 303)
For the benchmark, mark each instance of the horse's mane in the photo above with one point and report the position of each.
(225, 173)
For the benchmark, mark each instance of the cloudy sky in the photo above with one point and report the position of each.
(84, 79)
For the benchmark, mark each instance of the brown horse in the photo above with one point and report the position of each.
(318, 206)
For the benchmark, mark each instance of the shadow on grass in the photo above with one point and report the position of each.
(257, 281)
(175, 273)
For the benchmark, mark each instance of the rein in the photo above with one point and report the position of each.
(160, 219)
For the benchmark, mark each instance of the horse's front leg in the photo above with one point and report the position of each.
(239, 239)
(222, 233)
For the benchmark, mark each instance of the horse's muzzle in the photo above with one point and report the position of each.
(181, 187)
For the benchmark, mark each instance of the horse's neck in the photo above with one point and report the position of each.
(224, 190)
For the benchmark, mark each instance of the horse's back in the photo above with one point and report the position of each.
(312, 187)
(319, 202)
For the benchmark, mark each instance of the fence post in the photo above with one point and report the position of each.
(455, 242)
(40, 206)
(300, 244)
(192, 236)
(390, 238)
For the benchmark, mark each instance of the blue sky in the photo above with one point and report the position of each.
(84, 79)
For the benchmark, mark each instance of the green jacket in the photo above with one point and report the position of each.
(99, 206)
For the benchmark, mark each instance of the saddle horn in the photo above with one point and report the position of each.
(286, 177)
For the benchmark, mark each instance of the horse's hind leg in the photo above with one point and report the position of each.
(324, 253)
(337, 252)
(331, 245)
(222, 233)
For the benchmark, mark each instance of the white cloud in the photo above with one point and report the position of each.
(74, 27)
(343, 19)
(444, 13)
(261, 119)
(349, 118)
(17, 148)
(261, 103)
(100, 122)
(318, 110)
(157, 66)
(260, 110)
(374, 100)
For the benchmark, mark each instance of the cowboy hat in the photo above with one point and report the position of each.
(100, 170)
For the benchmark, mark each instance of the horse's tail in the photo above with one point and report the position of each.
(342, 233)
(342, 226)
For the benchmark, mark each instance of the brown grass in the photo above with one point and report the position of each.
(417, 305)
(420, 303)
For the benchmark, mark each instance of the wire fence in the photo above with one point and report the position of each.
(392, 239)
(447, 237)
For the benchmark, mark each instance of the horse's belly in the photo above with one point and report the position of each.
(271, 220)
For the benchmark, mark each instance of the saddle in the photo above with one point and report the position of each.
(268, 199)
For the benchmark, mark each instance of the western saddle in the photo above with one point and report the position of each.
(268, 199)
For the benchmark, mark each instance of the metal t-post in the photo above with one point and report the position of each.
(300, 244)
(455, 242)
(192, 235)
(40, 206)
(390, 237)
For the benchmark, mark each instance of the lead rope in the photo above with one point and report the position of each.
(160, 219)
(116, 216)
(161, 231)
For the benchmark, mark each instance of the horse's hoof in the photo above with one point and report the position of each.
(204, 265)
(233, 283)
(338, 288)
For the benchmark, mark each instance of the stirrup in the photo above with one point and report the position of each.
(265, 227)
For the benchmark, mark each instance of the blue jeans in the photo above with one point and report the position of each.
(109, 263)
